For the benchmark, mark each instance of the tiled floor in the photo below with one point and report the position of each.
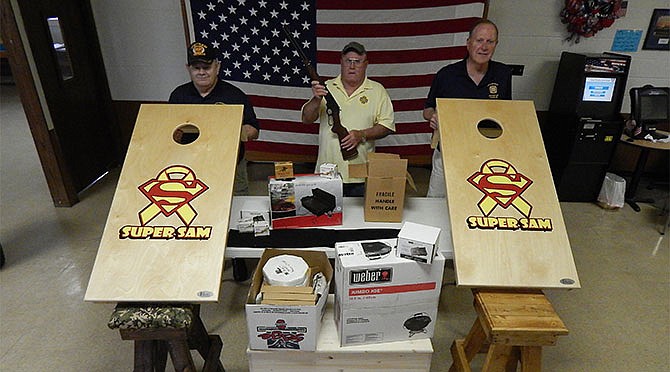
(619, 320)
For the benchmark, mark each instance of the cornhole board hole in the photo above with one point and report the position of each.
(506, 222)
(165, 235)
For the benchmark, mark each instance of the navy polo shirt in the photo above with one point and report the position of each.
(223, 92)
(452, 81)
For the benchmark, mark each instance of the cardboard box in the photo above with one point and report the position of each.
(386, 175)
(307, 200)
(254, 218)
(418, 242)
(283, 170)
(294, 327)
(380, 297)
(328, 170)
(254, 208)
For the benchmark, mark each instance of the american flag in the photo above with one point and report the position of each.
(407, 41)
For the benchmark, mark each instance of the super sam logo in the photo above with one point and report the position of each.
(170, 193)
(502, 186)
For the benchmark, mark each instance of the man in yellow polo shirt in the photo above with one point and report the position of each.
(365, 110)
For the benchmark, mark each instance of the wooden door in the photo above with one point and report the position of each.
(76, 101)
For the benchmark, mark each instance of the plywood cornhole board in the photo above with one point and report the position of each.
(506, 222)
(165, 235)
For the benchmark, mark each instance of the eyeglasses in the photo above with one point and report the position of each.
(484, 41)
(354, 61)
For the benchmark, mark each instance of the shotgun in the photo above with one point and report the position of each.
(332, 108)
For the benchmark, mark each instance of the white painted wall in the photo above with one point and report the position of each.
(143, 46)
(531, 34)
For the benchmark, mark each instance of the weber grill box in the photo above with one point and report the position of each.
(380, 297)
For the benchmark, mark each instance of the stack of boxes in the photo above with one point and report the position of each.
(379, 296)
(385, 290)
(382, 297)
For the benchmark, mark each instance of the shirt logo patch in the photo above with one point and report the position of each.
(493, 90)
(364, 100)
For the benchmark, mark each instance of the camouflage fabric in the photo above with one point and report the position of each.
(151, 316)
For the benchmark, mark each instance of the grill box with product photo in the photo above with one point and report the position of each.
(307, 200)
(380, 297)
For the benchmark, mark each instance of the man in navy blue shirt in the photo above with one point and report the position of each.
(476, 77)
(205, 87)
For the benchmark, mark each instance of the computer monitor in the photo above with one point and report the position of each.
(598, 89)
(649, 106)
(601, 95)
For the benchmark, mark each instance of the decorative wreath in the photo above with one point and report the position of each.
(586, 17)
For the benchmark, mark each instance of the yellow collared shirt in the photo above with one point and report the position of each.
(370, 104)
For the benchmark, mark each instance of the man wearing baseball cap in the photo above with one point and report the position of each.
(366, 111)
(205, 87)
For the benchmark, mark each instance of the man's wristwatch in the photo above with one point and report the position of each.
(364, 138)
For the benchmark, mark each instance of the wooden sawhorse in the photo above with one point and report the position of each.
(514, 325)
(161, 329)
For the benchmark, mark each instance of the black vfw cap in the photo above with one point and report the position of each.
(200, 52)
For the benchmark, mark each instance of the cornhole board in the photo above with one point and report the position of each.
(165, 235)
(506, 221)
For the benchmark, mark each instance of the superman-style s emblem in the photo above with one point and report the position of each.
(502, 185)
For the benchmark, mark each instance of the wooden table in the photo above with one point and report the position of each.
(645, 148)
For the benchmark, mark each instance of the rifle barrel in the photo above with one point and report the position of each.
(296, 46)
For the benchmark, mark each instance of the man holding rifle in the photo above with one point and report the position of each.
(366, 112)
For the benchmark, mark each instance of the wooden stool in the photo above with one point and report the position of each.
(159, 329)
(514, 324)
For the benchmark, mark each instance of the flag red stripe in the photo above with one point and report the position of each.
(409, 128)
(354, 30)
(386, 4)
(277, 102)
(401, 56)
(295, 127)
(408, 104)
(409, 81)
(296, 104)
(288, 126)
(285, 148)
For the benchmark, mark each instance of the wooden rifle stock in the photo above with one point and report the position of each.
(332, 108)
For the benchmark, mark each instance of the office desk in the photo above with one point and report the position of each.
(645, 147)
(427, 211)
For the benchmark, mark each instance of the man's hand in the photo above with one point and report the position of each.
(310, 112)
(249, 133)
(434, 125)
(352, 140)
(318, 90)
(430, 114)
